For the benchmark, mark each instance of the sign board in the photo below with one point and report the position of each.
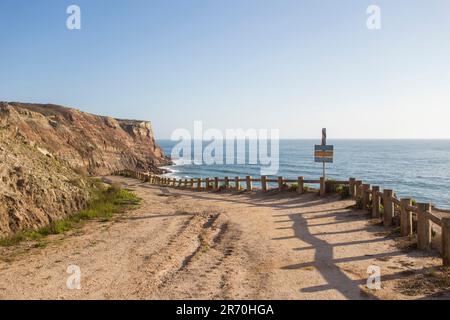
(323, 153)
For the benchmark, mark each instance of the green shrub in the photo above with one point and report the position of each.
(341, 189)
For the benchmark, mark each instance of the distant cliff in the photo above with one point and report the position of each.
(47, 151)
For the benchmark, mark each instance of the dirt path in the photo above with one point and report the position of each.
(184, 244)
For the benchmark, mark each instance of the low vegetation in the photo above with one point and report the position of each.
(341, 189)
(293, 187)
(106, 202)
(434, 282)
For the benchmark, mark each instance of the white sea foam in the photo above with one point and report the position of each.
(181, 162)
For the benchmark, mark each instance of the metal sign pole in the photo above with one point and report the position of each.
(324, 143)
(323, 171)
(324, 153)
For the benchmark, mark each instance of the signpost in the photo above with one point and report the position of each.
(323, 152)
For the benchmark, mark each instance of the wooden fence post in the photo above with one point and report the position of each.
(406, 227)
(388, 204)
(445, 241)
(207, 184)
(280, 184)
(322, 186)
(237, 185)
(227, 182)
(248, 180)
(352, 187)
(300, 185)
(199, 184)
(264, 183)
(216, 183)
(365, 196)
(358, 186)
(423, 226)
(376, 202)
(192, 183)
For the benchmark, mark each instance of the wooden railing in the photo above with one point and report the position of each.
(235, 183)
(380, 204)
(385, 205)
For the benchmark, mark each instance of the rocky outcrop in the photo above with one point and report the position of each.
(47, 152)
(97, 144)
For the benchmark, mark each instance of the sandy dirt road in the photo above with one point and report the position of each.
(182, 244)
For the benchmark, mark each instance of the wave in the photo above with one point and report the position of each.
(181, 162)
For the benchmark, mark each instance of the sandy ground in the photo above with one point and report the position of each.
(182, 244)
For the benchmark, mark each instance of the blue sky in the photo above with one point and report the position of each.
(294, 65)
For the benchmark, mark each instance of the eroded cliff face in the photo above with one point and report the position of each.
(46, 151)
(35, 188)
(97, 144)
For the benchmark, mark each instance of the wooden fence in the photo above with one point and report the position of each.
(381, 204)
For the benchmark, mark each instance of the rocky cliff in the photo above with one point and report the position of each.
(97, 144)
(46, 151)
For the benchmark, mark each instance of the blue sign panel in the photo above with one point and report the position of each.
(323, 153)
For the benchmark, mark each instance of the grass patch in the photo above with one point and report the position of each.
(13, 240)
(105, 203)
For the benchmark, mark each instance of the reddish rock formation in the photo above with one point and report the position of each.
(45, 151)
(98, 144)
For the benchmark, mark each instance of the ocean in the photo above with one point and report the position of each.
(413, 168)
